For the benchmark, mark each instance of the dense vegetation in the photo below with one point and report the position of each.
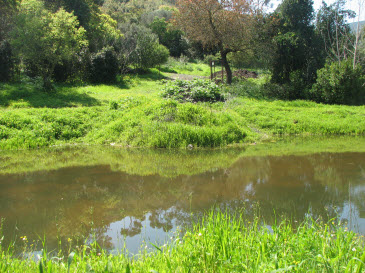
(95, 41)
(102, 71)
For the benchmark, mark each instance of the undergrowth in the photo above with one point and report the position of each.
(193, 91)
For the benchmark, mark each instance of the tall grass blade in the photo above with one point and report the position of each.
(40, 267)
(128, 269)
(69, 261)
(361, 263)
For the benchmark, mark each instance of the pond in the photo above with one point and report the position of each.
(131, 197)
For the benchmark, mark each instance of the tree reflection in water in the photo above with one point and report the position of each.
(113, 206)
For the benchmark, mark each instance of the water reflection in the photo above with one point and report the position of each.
(120, 208)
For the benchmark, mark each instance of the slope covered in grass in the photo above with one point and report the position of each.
(133, 113)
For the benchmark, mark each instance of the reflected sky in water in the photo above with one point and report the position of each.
(117, 208)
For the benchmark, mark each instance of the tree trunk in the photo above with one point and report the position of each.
(47, 84)
(226, 66)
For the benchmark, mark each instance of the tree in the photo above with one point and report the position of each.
(169, 37)
(228, 25)
(104, 66)
(82, 9)
(44, 39)
(340, 83)
(362, 47)
(295, 60)
(358, 35)
(8, 10)
(102, 32)
(6, 61)
(334, 32)
(141, 47)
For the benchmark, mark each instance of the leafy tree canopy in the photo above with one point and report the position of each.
(44, 39)
(294, 42)
(226, 24)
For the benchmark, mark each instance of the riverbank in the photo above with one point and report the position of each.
(134, 114)
(221, 242)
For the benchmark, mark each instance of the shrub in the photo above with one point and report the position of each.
(74, 70)
(44, 39)
(104, 66)
(193, 91)
(339, 83)
(142, 48)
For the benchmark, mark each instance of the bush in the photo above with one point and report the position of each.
(193, 91)
(6, 62)
(339, 83)
(104, 66)
(142, 48)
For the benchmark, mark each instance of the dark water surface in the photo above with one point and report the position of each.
(135, 197)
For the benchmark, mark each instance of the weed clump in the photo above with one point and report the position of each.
(193, 91)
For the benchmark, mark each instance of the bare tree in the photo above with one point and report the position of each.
(360, 4)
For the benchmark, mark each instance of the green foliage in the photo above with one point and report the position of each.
(102, 32)
(142, 48)
(160, 55)
(104, 66)
(340, 83)
(171, 38)
(243, 59)
(7, 9)
(294, 45)
(45, 39)
(193, 91)
(250, 88)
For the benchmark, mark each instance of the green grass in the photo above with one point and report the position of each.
(133, 113)
(220, 242)
(182, 66)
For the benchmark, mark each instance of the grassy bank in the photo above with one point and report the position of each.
(219, 243)
(133, 113)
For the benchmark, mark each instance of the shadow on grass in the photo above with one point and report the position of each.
(168, 70)
(128, 81)
(20, 95)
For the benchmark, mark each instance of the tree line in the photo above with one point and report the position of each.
(87, 40)
(310, 55)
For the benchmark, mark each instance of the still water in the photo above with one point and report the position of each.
(133, 197)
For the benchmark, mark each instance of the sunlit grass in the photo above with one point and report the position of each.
(133, 113)
(182, 66)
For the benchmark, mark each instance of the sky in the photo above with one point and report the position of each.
(351, 4)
